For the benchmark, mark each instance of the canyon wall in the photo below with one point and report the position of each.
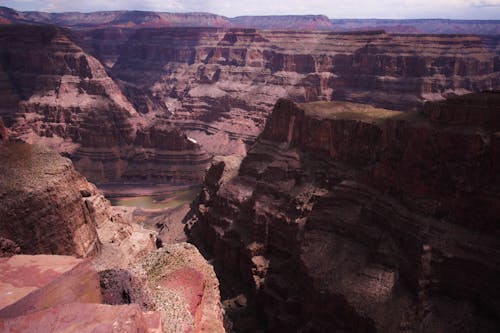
(39, 211)
(343, 213)
(55, 94)
(212, 81)
(145, 19)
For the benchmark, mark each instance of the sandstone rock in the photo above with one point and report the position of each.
(33, 283)
(42, 208)
(210, 81)
(59, 96)
(182, 286)
(342, 212)
(80, 317)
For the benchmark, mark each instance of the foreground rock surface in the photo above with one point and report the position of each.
(34, 283)
(343, 213)
(85, 318)
(182, 286)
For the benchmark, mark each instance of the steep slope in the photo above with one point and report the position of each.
(216, 81)
(39, 211)
(58, 95)
(342, 213)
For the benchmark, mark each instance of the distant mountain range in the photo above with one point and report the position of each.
(148, 19)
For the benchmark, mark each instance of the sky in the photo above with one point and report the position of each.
(396, 9)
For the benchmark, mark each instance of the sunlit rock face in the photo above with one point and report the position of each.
(210, 81)
(342, 213)
(57, 95)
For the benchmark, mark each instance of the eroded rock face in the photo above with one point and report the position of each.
(343, 213)
(182, 286)
(46, 206)
(4, 135)
(59, 96)
(213, 80)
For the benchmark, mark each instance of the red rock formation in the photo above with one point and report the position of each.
(64, 99)
(284, 22)
(144, 19)
(46, 206)
(226, 81)
(342, 213)
(34, 283)
(180, 284)
(85, 318)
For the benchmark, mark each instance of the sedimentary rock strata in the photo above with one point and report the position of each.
(225, 81)
(342, 213)
(59, 96)
(147, 19)
(46, 206)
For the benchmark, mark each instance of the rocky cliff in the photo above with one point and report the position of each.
(217, 81)
(39, 211)
(56, 94)
(145, 19)
(342, 213)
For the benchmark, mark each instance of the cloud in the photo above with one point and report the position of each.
(486, 3)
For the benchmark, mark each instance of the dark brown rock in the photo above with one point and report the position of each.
(59, 96)
(4, 135)
(213, 81)
(342, 213)
(41, 208)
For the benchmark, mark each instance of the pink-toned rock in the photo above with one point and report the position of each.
(85, 318)
(33, 283)
(182, 286)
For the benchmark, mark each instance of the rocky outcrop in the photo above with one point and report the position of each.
(60, 293)
(85, 318)
(33, 283)
(46, 206)
(284, 22)
(61, 97)
(212, 81)
(177, 282)
(342, 213)
(4, 134)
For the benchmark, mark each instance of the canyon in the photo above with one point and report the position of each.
(349, 173)
(70, 261)
(55, 94)
(153, 105)
(149, 19)
(342, 213)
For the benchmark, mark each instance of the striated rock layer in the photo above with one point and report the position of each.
(55, 94)
(46, 206)
(225, 81)
(343, 213)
